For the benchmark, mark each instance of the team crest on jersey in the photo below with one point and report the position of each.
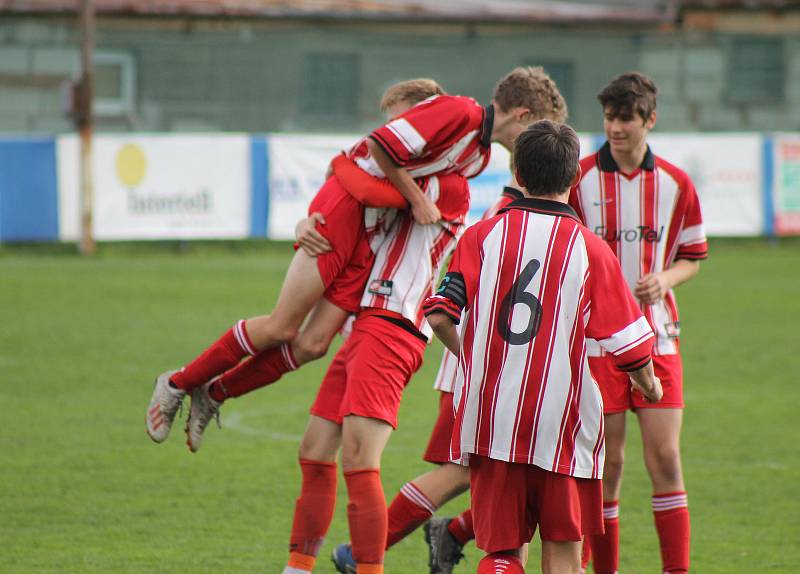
(673, 330)
(381, 287)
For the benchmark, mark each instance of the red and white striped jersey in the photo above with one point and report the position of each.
(443, 134)
(533, 284)
(409, 257)
(446, 377)
(649, 218)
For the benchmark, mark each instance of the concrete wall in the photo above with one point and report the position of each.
(249, 75)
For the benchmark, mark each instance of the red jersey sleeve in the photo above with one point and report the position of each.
(432, 123)
(459, 283)
(366, 189)
(692, 242)
(614, 318)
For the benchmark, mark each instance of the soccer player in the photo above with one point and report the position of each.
(442, 135)
(356, 406)
(418, 499)
(648, 212)
(532, 284)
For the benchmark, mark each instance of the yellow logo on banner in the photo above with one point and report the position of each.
(131, 165)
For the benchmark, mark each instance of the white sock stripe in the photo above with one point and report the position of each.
(661, 503)
(287, 357)
(612, 512)
(413, 494)
(241, 338)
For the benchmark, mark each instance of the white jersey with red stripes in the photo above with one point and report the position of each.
(533, 284)
(649, 218)
(440, 135)
(446, 376)
(409, 257)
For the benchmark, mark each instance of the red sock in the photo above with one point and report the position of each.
(671, 512)
(366, 515)
(313, 510)
(500, 564)
(461, 527)
(260, 371)
(409, 510)
(605, 547)
(586, 554)
(224, 354)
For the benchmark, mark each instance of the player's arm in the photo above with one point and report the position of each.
(645, 381)
(443, 309)
(366, 189)
(308, 238)
(445, 329)
(423, 209)
(692, 248)
(652, 287)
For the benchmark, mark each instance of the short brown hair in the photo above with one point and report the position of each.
(629, 94)
(530, 87)
(546, 157)
(411, 91)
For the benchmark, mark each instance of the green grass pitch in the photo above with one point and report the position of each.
(85, 491)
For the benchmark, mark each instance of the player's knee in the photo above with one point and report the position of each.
(612, 469)
(306, 349)
(666, 463)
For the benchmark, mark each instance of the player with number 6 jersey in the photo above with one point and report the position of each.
(532, 283)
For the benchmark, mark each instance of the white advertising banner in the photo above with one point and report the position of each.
(297, 166)
(159, 187)
(727, 172)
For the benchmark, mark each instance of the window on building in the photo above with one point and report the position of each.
(330, 86)
(563, 74)
(756, 70)
(114, 84)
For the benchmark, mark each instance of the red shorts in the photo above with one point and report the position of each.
(345, 269)
(438, 451)
(510, 499)
(370, 371)
(619, 396)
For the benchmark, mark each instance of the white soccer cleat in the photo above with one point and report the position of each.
(203, 409)
(164, 404)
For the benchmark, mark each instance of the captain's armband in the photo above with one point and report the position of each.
(454, 288)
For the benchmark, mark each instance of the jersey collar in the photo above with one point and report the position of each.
(543, 206)
(607, 163)
(487, 126)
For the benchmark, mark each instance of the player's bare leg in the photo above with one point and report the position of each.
(661, 430)
(444, 483)
(561, 557)
(313, 341)
(314, 507)
(605, 547)
(302, 289)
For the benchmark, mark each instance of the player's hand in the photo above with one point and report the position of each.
(654, 393)
(425, 211)
(308, 238)
(651, 288)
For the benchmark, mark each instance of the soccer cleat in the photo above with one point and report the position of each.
(343, 560)
(203, 409)
(444, 551)
(164, 404)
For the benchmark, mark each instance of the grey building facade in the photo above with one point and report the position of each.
(717, 69)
